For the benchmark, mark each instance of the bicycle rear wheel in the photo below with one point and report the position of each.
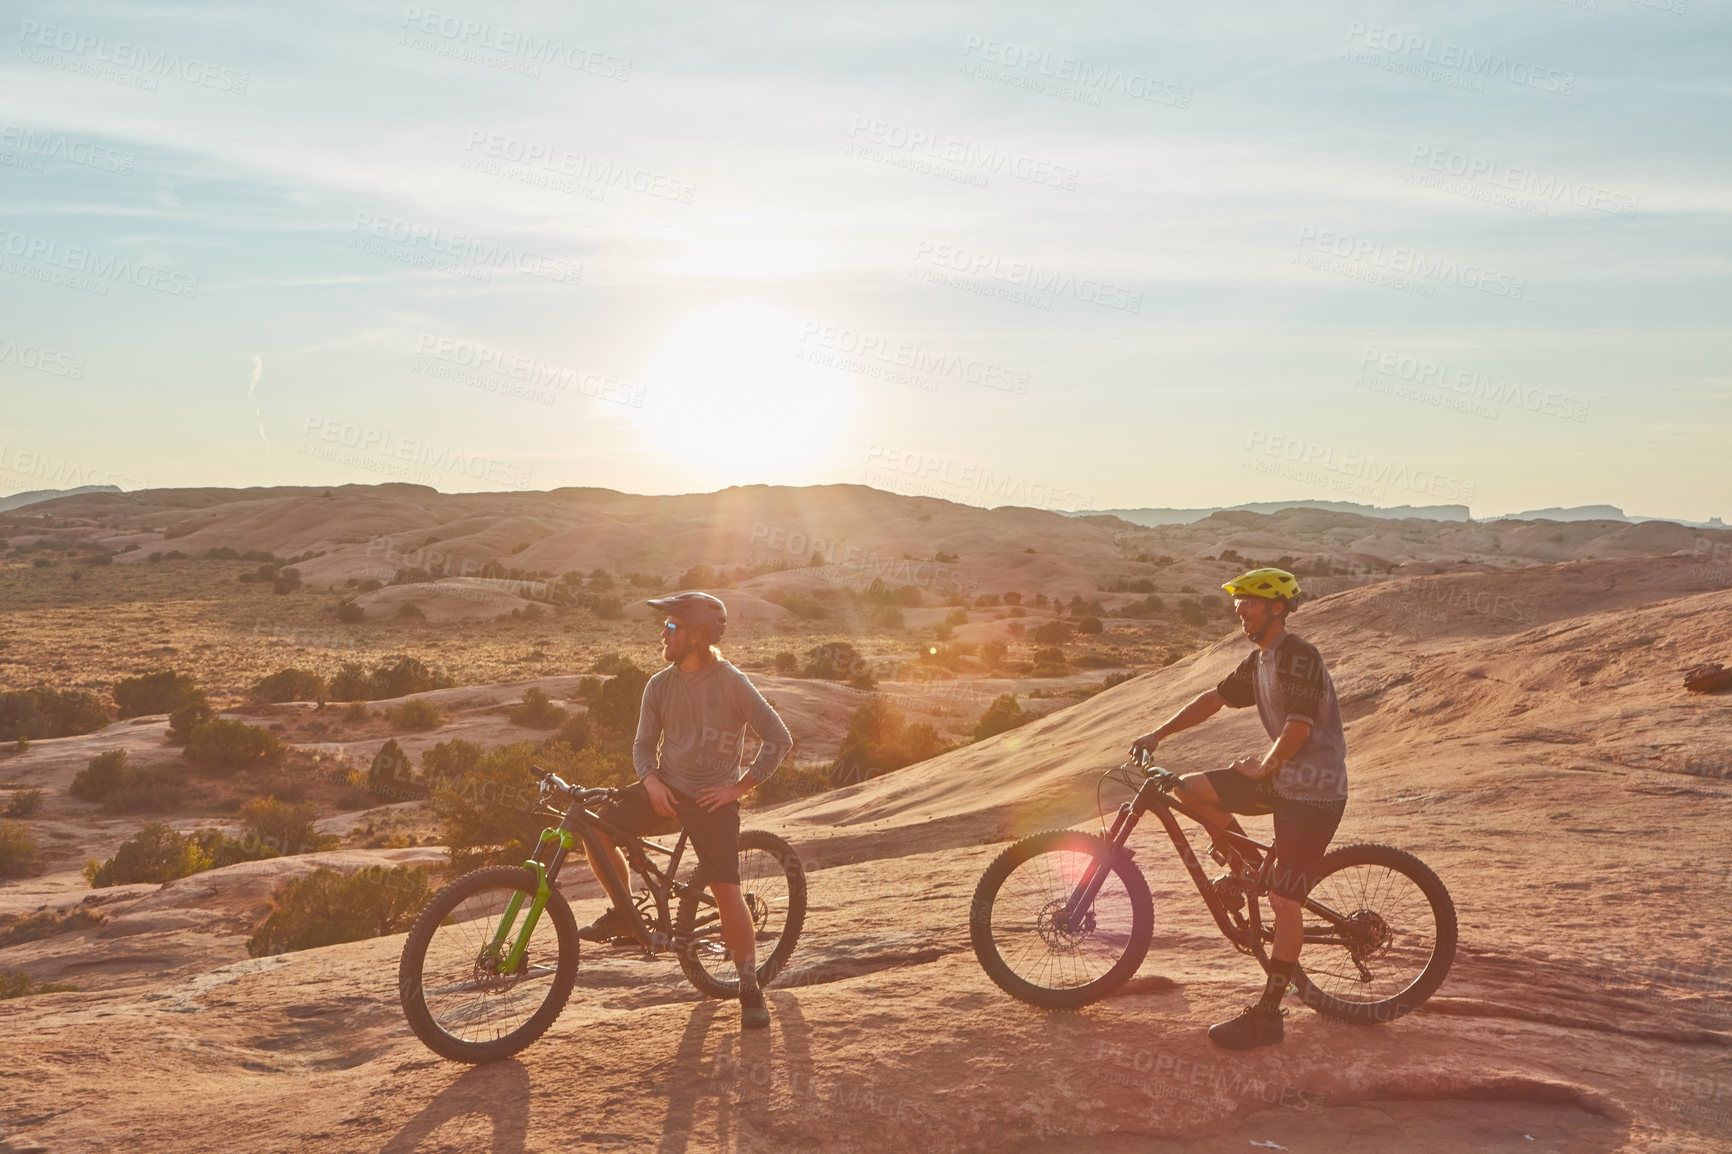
(461, 996)
(773, 884)
(1026, 943)
(1397, 944)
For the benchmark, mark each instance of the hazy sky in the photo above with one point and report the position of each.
(1074, 256)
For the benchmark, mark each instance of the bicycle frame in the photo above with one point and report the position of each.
(1153, 797)
(556, 843)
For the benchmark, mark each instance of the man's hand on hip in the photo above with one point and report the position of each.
(717, 796)
(1251, 767)
(661, 798)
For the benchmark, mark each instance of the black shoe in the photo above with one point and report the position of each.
(1254, 1027)
(610, 927)
(754, 1015)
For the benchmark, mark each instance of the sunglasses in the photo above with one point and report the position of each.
(670, 627)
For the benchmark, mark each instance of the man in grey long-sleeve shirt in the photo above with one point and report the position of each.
(690, 735)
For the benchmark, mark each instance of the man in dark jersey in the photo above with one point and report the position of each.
(1301, 780)
(690, 737)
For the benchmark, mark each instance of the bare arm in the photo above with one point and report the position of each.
(1202, 707)
(1293, 735)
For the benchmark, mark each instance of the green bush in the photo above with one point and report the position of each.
(20, 855)
(574, 733)
(787, 664)
(537, 711)
(391, 776)
(18, 984)
(23, 803)
(618, 700)
(16, 929)
(350, 613)
(231, 745)
(325, 908)
(835, 661)
(182, 721)
(879, 740)
(1003, 714)
(1051, 633)
(1049, 662)
(415, 715)
(32, 713)
(399, 677)
(409, 611)
(288, 685)
(163, 691)
(608, 608)
(286, 827)
(106, 773)
(485, 802)
(288, 580)
(609, 664)
(1089, 625)
(158, 853)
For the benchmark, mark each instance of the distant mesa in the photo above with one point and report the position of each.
(19, 500)
(1155, 517)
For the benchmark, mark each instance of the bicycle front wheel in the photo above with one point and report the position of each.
(461, 992)
(1034, 943)
(1395, 942)
(773, 885)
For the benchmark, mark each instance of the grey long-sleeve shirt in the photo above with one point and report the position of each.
(698, 721)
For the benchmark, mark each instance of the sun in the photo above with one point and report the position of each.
(728, 389)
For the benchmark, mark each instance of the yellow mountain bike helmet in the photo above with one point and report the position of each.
(1272, 584)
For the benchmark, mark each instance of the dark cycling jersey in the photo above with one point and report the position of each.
(1289, 681)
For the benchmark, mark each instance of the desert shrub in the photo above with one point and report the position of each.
(921, 741)
(879, 740)
(956, 617)
(574, 732)
(804, 607)
(391, 776)
(22, 745)
(1193, 613)
(1095, 661)
(537, 711)
(42, 712)
(349, 613)
(105, 773)
(888, 617)
(370, 585)
(16, 929)
(20, 855)
(700, 577)
(1089, 625)
(992, 653)
(1048, 661)
(356, 712)
(162, 691)
(415, 715)
(835, 661)
(486, 808)
(1003, 714)
(1051, 633)
(787, 664)
(409, 611)
(182, 721)
(325, 908)
(1013, 598)
(609, 664)
(792, 781)
(156, 853)
(986, 601)
(286, 827)
(288, 580)
(618, 700)
(289, 685)
(394, 678)
(231, 744)
(588, 687)
(24, 803)
(18, 984)
(608, 608)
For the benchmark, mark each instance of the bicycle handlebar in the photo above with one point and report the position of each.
(552, 783)
(1144, 761)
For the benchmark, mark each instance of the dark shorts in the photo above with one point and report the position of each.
(714, 835)
(1303, 829)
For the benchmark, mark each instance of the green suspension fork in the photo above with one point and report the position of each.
(513, 960)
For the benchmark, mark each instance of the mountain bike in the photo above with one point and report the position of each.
(1064, 918)
(491, 961)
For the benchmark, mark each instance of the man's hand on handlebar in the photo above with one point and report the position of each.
(1143, 747)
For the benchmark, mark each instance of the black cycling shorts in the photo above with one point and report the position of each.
(1303, 829)
(714, 834)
